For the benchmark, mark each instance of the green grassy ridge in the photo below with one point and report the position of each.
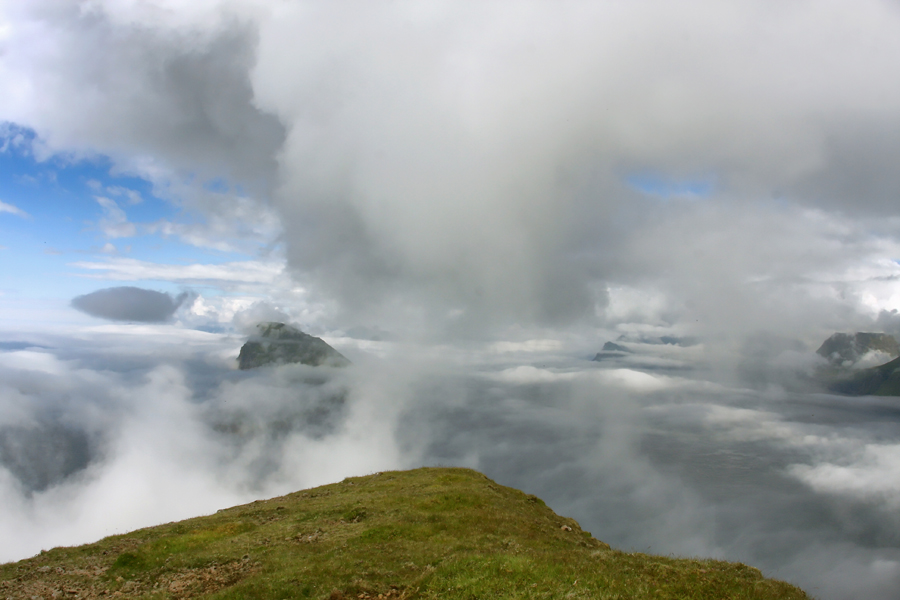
(425, 533)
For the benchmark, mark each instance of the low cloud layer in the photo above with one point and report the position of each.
(149, 428)
(128, 303)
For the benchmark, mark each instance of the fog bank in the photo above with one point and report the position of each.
(649, 459)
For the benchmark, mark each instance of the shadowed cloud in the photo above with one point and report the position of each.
(128, 303)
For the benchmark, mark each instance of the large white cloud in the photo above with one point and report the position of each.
(453, 165)
(473, 156)
(164, 93)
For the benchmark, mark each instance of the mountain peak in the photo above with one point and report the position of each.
(280, 343)
(845, 349)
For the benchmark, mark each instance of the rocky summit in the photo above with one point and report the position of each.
(611, 350)
(278, 344)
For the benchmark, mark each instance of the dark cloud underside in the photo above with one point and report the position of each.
(129, 304)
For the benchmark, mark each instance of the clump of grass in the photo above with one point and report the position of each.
(427, 533)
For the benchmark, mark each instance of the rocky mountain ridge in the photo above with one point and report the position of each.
(279, 343)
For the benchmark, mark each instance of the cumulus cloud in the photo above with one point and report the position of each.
(128, 303)
(474, 159)
(124, 76)
(465, 168)
(246, 320)
(164, 96)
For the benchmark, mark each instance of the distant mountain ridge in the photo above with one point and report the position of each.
(843, 348)
(279, 343)
(844, 351)
(611, 350)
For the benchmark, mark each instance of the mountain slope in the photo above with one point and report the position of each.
(883, 380)
(278, 344)
(844, 375)
(844, 349)
(427, 533)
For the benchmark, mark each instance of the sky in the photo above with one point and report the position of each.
(468, 199)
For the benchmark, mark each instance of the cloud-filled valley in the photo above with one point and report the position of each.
(468, 200)
(798, 484)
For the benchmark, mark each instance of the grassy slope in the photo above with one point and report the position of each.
(427, 533)
(883, 380)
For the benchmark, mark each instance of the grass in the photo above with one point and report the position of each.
(427, 533)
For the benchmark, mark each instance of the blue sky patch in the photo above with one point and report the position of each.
(663, 187)
(59, 211)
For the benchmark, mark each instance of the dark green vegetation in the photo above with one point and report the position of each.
(279, 344)
(883, 380)
(428, 533)
(842, 350)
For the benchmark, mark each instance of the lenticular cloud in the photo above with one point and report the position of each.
(130, 304)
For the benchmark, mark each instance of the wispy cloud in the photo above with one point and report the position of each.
(131, 196)
(238, 272)
(114, 223)
(14, 210)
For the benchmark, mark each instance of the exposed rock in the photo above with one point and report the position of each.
(844, 349)
(278, 344)
(613, 347)
(611, 350)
